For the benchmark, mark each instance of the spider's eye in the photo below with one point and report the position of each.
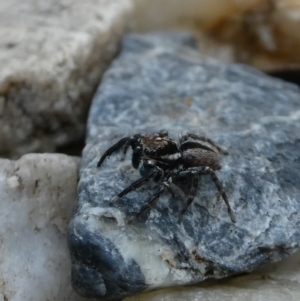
(146, 151)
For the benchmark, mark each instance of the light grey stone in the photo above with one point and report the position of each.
(38, 193)
(52, 56)
(159, 82)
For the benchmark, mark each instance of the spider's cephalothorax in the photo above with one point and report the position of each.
(160, 158)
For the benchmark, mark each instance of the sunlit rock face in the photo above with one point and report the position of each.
(52, 56)
(161, 82)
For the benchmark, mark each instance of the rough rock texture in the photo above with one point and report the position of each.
(38, 193)
(159, 82)
(52, 56)
(276, 282)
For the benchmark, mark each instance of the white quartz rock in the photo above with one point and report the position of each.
(38, 193)
(52, 56)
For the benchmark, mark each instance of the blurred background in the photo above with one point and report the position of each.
(53, 54)
(262, 33)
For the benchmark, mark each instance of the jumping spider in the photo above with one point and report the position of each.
(158, 157)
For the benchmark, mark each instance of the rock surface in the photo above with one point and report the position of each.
(38, 193)
(52, 56)
(276, 282)
(161, 82)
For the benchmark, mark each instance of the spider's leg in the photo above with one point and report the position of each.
(138, 183)
(113, 149)
(192, 194)
(205, 139)
(125, 149)
(205, 170)
(175, 190)
(151, 201)
(221, 191)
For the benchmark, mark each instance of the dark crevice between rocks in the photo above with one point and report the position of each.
(292, 76)
(72, 149)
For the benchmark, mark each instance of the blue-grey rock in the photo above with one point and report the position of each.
(162, 82)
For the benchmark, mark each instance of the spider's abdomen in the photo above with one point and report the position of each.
(194, 157)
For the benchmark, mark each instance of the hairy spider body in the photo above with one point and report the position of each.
(199, 156)
(159, 157)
